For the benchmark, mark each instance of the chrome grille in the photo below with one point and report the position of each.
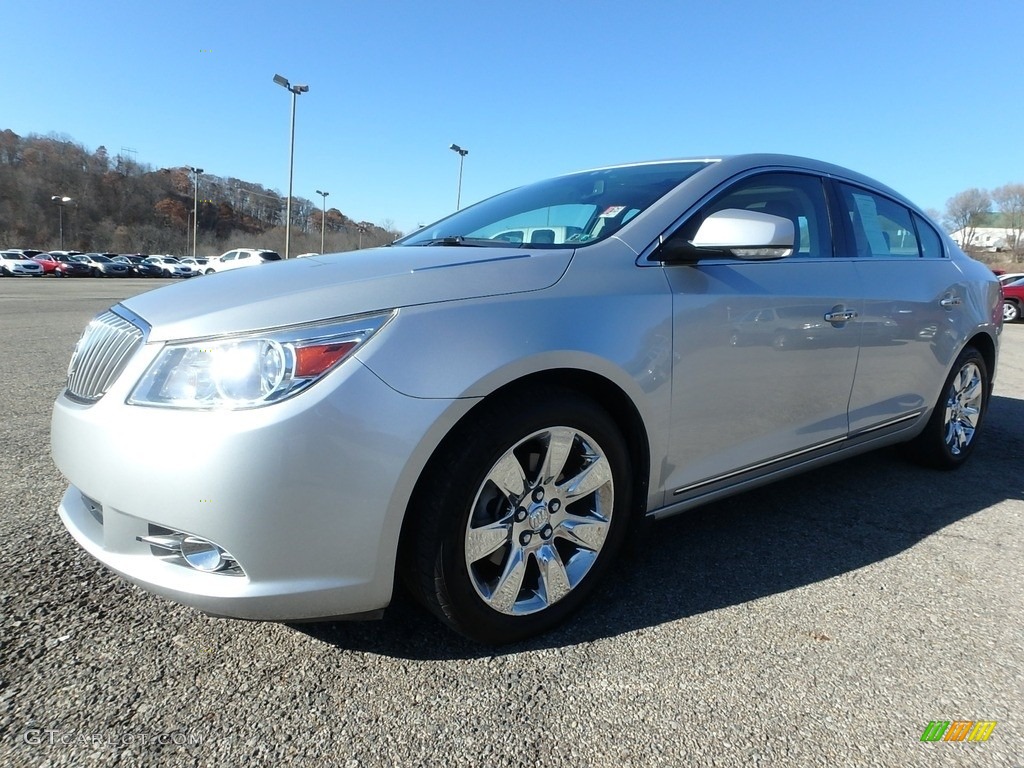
(103, 351)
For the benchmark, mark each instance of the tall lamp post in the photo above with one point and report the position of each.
(61, 201)
(195, 208)
(295, 91)
(323, 220)
(462, 157)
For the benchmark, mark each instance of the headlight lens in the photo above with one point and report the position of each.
(252, 370)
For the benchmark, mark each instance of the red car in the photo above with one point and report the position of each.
(1013, 301)
(50, 264)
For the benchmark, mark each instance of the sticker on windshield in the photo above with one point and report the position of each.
(612, 211)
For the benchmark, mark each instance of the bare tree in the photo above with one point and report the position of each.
(1009, 199)
(964, 211)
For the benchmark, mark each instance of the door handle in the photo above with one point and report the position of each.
(948, 302)
(840, 316)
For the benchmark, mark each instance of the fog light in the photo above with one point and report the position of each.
(201, 554)
(191, 551)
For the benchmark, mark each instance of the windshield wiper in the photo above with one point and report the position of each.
(449, 240)
(468, 242)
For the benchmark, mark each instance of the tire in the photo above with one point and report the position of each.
(952, 431)
(1011, 311)
(493, 550)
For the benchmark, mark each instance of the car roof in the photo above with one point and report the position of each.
(727, 166)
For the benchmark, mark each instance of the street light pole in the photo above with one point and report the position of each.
(195, 209)
(61, 201)
(462, 156)
(323, 220)
(295, 91)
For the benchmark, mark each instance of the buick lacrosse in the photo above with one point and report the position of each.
(484, 408)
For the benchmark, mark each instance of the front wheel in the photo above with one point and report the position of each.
(952, 431)
(519, 515)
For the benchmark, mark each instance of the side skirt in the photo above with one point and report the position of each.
(891, 432)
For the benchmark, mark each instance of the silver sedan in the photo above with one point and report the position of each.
(487, 407)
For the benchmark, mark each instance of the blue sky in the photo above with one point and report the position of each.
(923, 96)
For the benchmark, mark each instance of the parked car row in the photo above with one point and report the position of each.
(18, 262)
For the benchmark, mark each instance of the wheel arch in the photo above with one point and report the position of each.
(609, 396)
(985, 345)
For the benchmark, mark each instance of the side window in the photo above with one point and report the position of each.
(931, 243)
(230, 256)
(795, 196)
(880, 227)
(244, 255)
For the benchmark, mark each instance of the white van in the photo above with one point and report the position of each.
(537, 235)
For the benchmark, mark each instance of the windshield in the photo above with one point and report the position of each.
(564, 212)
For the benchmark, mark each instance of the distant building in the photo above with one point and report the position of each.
(992, 239)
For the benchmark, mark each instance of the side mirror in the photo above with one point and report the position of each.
(741, 233)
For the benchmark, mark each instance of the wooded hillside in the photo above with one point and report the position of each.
(120, 205)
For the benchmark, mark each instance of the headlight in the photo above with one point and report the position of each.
(251, 370)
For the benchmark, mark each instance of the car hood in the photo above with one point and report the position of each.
(317, 288)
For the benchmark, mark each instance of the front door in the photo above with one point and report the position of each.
(764, 364)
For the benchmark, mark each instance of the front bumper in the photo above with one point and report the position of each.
(308, 495)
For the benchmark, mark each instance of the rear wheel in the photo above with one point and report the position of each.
(952, 431)
(519, 515)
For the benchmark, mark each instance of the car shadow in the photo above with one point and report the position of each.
(783, 536)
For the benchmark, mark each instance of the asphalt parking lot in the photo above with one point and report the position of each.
(825, 620)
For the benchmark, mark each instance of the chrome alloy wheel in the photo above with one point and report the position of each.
(963, 408)
(539, 521)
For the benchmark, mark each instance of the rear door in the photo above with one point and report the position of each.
(913, 307)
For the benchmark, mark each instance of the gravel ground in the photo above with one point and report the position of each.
(824, 620)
